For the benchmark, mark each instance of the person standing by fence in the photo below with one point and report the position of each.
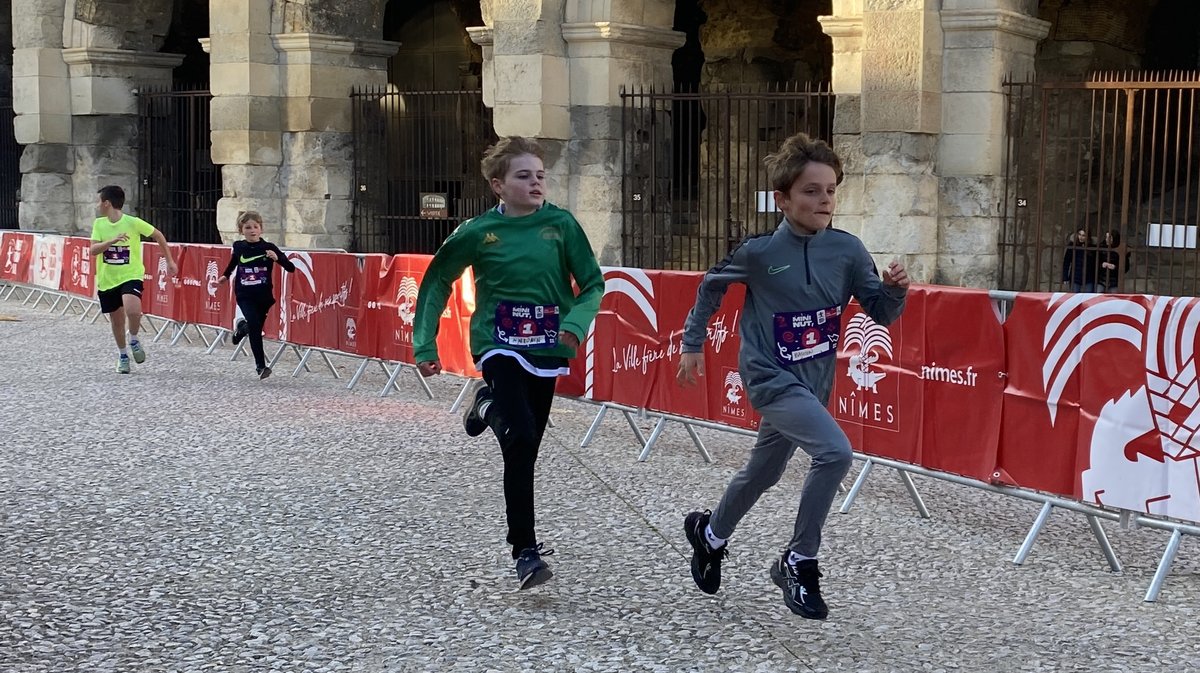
(527, 322)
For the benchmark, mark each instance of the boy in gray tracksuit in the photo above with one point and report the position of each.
(799, 280)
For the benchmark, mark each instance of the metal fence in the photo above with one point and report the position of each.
(693, 184)
(180, 186)
(1116, 158)
(416, 167)
(10, 168)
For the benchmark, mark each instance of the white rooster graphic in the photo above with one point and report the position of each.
(733, 388)
(1144, 448)
(406, 300)
(872, 340)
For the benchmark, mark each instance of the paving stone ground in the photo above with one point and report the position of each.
(190, 517)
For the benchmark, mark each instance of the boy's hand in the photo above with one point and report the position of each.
(430, 368)
(272, 256)
(172, 267)
(569, 339)
(121, 238)
(896, 276)
(221, 280)
(691, 365)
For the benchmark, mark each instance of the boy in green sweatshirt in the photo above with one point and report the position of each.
(528, 321)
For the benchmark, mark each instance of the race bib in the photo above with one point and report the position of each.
(252, 277)
(116, 255)
(526, 325)
(806, 335)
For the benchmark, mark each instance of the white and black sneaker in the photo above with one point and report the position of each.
(801, 586)
(473, 417)
(706, 561)
(240, 332)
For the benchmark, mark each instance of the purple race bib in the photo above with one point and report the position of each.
(249, 277)
(806, 335)
(526, 325)
(116, 255)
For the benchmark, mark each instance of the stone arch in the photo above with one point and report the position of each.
(113, 24)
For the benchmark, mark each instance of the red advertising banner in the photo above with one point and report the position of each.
(16, 256)
(1102, 399)
(314, 296)
(78, 276)
(165, 295)
(902, 395)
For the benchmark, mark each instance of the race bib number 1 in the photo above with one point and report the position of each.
(116, 255)
(806, 335)
(526, 325)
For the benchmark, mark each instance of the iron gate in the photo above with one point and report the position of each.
(1114, 154)
(692, 181)
(416, 167)
(180, 186)
(10, 169)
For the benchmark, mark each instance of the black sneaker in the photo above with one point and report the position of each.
(801, 586)
(531, 569)
(264, 372)
(473, 421)
(240, 331)
(706, 561)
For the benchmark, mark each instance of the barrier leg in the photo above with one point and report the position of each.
(274, 359)
(467, 387)
(912, 492)
(11, 290)
(858, 484)
(1105, 546)
(591, 432)
(303, 362)
(329, 363)
(1031, 537)
(654, 435)
(240, 349)
(699, 444)
(1164, 567)
(633, 426)
(358, 373)
(97, 316)
(391, 382)
(422, 381)
(200, 331)
(180, 333)
(30, 296)
(57, 298)
(217, 340)
(162, 330)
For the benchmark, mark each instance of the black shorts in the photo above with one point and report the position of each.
(111, 300)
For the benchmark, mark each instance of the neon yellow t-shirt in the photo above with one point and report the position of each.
(122, 262)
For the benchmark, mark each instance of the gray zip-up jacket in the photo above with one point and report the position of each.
(797, 287)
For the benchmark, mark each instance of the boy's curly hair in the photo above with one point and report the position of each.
(498, 157)
(246, 217)
(793, 156)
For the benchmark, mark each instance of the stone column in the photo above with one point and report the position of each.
(246, 123)
(319, 73)
(525, 79)
(104, 122)
(845, 30)
(985, 40)
(625, 49)
(42, 103)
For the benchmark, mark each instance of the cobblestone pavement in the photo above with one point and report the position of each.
(193, 518)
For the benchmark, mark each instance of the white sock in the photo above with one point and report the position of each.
(714, 542)
(794, 558)
(124, 351)
(133, 339)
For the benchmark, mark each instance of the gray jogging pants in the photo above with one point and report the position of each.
(794, 419)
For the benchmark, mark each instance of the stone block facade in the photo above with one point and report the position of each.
(919, 119)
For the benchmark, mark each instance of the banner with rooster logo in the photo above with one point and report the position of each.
(1103, 402)
(16, 256)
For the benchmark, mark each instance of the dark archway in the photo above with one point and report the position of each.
(189, 23)
(10, 151)
(435, 54)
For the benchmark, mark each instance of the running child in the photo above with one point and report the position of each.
(254, 258)
(799, 280)
(117, 249)
(528, 321)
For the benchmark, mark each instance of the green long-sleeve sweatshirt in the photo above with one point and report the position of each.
(523, 268)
